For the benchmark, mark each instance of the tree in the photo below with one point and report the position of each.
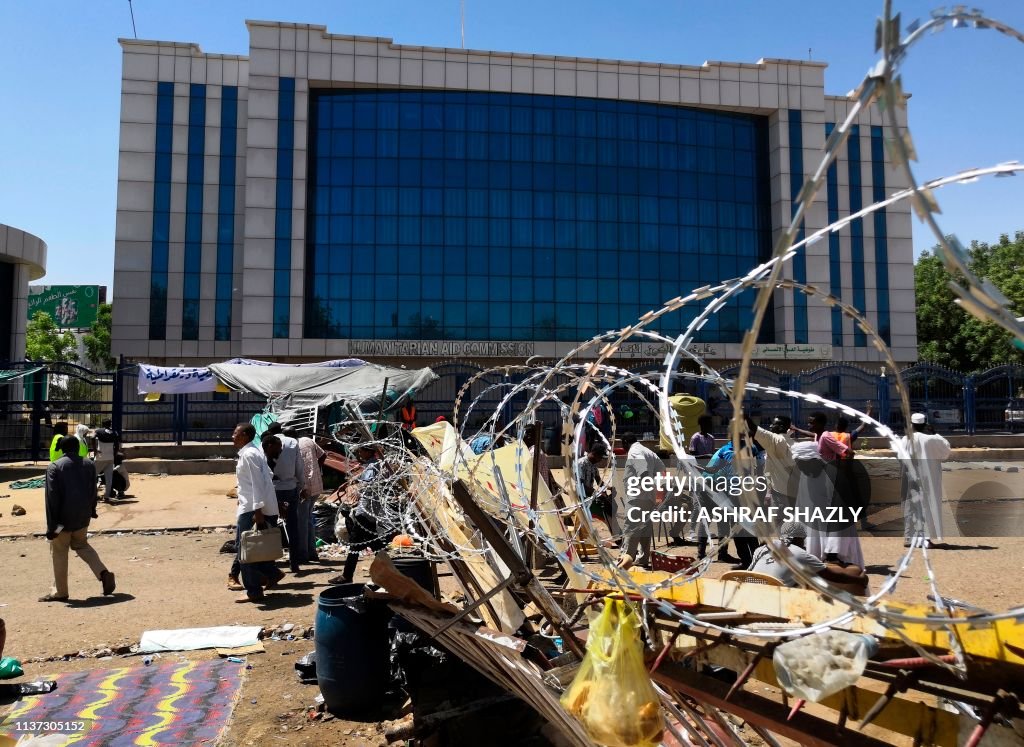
(45, 342)
(948, 335)
(97, 340)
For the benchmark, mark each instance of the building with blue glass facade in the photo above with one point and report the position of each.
(330, 195)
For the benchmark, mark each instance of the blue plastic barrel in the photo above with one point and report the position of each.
(352, 649)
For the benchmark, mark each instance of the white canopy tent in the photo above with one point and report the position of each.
(295, 392)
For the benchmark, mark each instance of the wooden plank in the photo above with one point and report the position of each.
(902, 715)
(809, 607)
(803, 728)
(437, 508)
(503, 666)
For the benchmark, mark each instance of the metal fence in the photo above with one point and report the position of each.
(989, 401)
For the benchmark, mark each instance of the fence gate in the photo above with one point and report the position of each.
(22, 400)
(998, 395)
(934, 390)
(840, 382)
(29, 406)
(763, 407)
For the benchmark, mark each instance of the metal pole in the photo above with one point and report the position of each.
(532, 556)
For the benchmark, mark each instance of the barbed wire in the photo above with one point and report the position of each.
(592, 384)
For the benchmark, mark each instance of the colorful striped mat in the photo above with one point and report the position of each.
(179, 703)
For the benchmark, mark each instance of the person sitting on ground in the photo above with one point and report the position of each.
(60, 430)
(792, 537)
(70, 505)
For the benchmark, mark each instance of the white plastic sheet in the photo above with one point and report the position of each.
(191, 639)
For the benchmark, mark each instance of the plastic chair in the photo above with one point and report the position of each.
(750, 577)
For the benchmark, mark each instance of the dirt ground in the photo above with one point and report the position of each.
(173, 581)
(177, 580)
(155, 502)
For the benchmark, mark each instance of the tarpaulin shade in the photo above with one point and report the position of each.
(11, 375)
(293, 387)
(189, 379)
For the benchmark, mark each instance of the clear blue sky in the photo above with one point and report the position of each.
(61, 63)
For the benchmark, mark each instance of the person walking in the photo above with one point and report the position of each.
(701, 448)
(642, 464)
(107, 445)
(290, 485)
(723, 464)
(257, 505)
(924, 517)
(313, 461)
(70, 505)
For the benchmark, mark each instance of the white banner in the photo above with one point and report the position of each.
(180, 380)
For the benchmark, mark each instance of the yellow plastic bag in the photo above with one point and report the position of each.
(612, 695)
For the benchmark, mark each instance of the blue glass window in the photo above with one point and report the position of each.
(835, 268)
(194, 212)
(364, 117)
(860, 340)
(881, 235)
(161, 211)
(508, 216)
(796, 179)
(226, 212)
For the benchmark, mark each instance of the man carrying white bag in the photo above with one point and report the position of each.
(257, 508)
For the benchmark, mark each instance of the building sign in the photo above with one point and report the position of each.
(793, 352)
(71, 306)
(660, 350)
(441, 348)
(518, 349)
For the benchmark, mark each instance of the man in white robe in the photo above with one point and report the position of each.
(922, 514)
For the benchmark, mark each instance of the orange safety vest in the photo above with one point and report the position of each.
(409, 416)
(845, 439)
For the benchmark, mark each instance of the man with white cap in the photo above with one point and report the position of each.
(924, 516)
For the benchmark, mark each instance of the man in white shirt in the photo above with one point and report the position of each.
(257, 504)
(779, 467)
(290, 484)
(924, 517)
(641, 463)
(106, 451)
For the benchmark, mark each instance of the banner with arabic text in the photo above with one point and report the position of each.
(177, 380)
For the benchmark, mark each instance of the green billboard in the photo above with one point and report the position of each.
(71, 306)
